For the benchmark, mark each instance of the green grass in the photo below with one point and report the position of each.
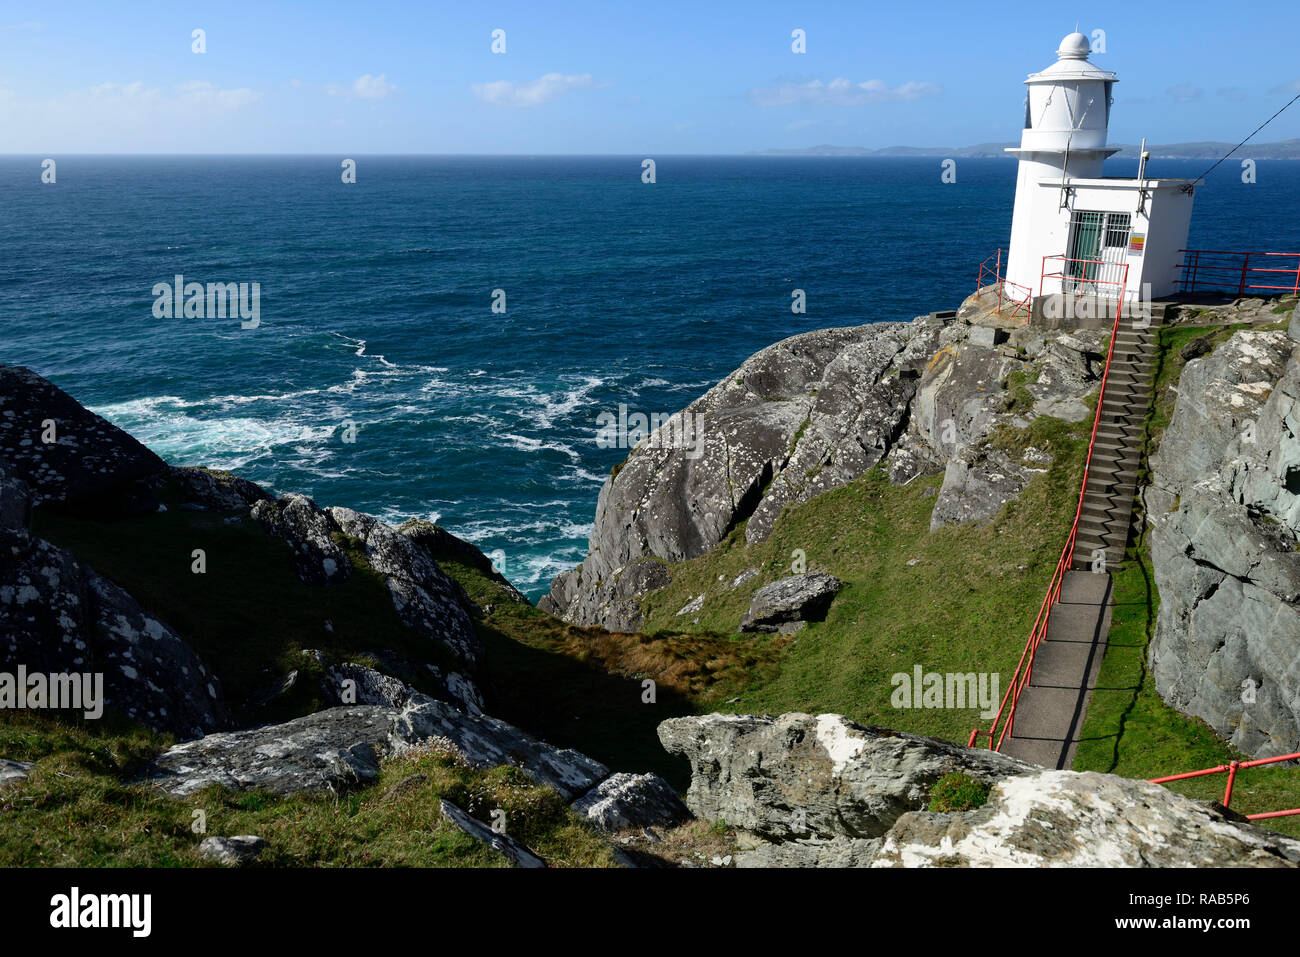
(965, 603)
(958, 792)
(79, 808)
(583, 688)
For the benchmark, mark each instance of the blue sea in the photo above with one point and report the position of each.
(376, 304)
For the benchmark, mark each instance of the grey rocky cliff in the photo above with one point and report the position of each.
(90, 463)
(1224, 511)
(57, 616)
(821, 791)
(809, 415)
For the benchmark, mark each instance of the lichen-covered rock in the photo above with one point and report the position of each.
(427, 601)
(789, 602)
(799, 418)
(57, 616)
(90, 463)
(814, 412)
(625, 801)
(441, 545)
(836, 852)
(1224, 509)
(215, 490)
(240, 849)
(308, 530)
(801, 777)
(1082, 819)
(351, 683)
(327, 751)
(490, 742)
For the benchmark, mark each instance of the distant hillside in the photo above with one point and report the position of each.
(1287, 149)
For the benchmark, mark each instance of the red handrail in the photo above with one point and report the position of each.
(1231, 769)
(1021, 297)
(1025, 667)
(1221, 270)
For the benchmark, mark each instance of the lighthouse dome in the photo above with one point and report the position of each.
(1074, 47)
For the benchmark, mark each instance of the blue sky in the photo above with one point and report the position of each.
(627, 78)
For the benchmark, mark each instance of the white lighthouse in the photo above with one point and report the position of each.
(1075, 231)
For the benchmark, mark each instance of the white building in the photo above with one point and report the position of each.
(1073, 229)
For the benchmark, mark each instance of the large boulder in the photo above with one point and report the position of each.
(1074, 819)
(824, 792)
(786, 605)
(623, 801)
(801, 776)
(1224, 509)
(90, 463)
(327, 751)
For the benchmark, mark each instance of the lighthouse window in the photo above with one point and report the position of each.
(1117, 230)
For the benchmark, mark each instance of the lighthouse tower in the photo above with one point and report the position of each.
(1074, 230)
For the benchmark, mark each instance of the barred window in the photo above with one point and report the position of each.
(1117, 230)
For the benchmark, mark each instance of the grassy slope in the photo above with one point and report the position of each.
(1129, 730)
(79, 809)
(964, 603)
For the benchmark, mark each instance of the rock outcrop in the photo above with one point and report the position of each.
(67, 455)
(801, 776)
(58, 617)
(810, 414)
(1082, 819)
(788, 604)
(623, 801)
(308, 530)
(1224, 510)
(327, 751)
(820, 791)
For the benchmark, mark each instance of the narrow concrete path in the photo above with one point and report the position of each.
(1049, 717)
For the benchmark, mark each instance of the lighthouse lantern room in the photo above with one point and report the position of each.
(1073, 230)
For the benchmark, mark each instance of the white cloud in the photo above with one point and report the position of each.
(122, 116)
(364, 87)
(534, 93)
(1185, 92)
(1292, 87)
(1233, 93)
(840, 92)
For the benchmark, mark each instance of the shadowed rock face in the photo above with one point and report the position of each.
(1224, 508)
(91, 463)
(58, 617)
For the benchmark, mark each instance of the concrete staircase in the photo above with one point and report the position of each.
(1112, 480)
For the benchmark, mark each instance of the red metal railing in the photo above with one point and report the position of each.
(1020, 297)
(1238, 271)
(1004, 721)
(1231, 769)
